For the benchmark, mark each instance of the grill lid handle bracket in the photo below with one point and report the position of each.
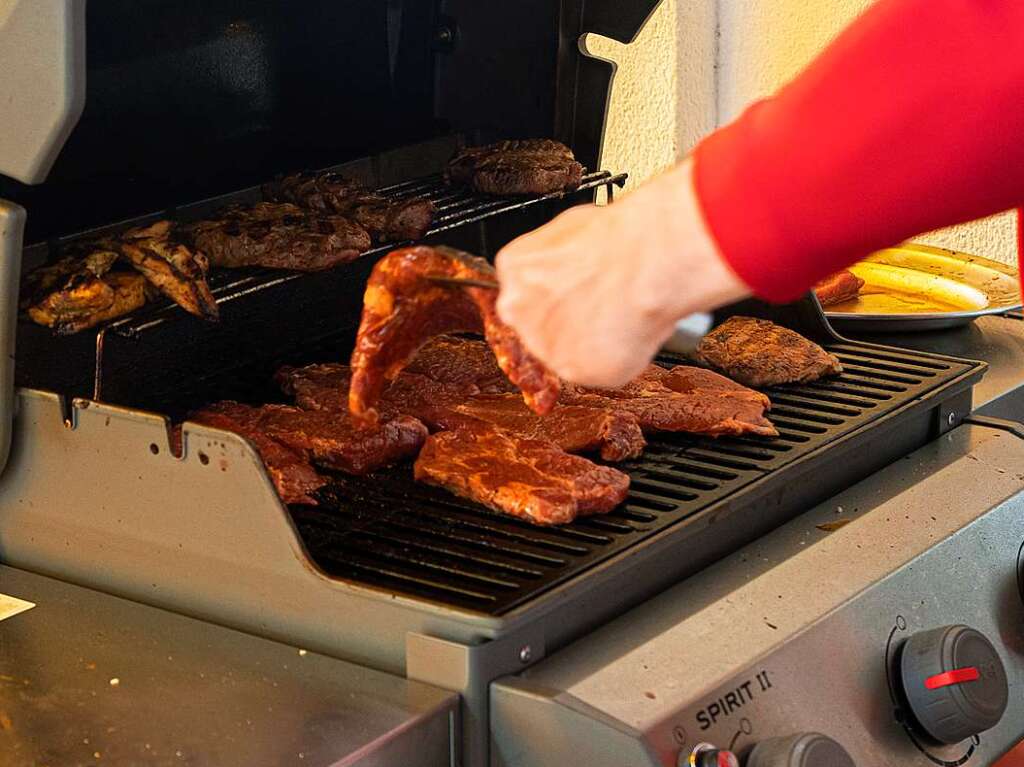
(12, 232)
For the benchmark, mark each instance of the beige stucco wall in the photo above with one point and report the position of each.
(697, 63)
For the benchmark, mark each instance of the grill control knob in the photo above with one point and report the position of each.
(706, 755)
(808, 749)
(954, 682)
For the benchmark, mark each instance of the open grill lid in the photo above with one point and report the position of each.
(206, 97)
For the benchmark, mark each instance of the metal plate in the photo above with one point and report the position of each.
(994, 286)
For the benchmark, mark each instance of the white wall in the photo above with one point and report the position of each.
(698, 63)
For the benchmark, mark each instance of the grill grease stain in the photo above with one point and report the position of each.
(204, 458)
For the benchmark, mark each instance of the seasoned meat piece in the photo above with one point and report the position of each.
(526, 478)
(84, 301)
(385, 219)
(761, 353)
(688, 380)
(292, 475)
(65, 275)
(333, 441)
(616, 435)
(402, 310)
(325, 387)
(531, 166)
(463, 362)
(681, 400)
(279, 236)
(178, 272)
(841, 286)
(574, 429)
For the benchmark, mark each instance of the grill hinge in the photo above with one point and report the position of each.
(469, 671)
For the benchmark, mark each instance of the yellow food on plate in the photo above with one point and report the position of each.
(914, 290)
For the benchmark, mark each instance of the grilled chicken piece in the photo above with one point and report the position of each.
(385, 219)
(402, 310)
(531, 166)
(65, 274)
(616, 435)
(837, 288)
(526, 478)
(84, 300)
(761, 353)
(279, 236)
(293, 476)
(178, 272)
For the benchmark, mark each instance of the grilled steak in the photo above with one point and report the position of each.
(532, 166)
(463, 362)
(402, 310)
(574, 429)
(329, 193)
(177, 271)
(526, 478)
(331, 440)
(837, 288)
(279, 236)
(289, 470)
(439, 405)
(761, 353)
(681, 400)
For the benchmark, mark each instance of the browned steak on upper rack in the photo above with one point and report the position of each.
(761, 353)
(403, 308)
(526, 478)
(530, 166)
(328, 440)
(279, 236)
(387, 220)
(290, 471)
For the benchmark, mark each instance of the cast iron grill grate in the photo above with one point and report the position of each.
(389, 532)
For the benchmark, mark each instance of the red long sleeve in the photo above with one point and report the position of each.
(911, 120)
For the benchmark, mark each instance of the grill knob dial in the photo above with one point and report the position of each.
(954, 682)
(707, 755)
(808, 749)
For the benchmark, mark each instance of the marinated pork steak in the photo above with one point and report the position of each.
(761, 353)
(334, 442)
(837, 288)
(279, 236)
(176, 270)
(682, 399)
(84, 300)
(402, 309)
(531, 166)
(616, 435)
(325, 387)
(386, 220)
(526, 478)
(292, 475)
(463, 362)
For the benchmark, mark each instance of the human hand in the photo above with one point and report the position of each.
(597, 291)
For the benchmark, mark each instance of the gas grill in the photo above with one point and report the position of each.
(408, 579)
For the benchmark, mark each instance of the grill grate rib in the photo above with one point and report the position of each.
(440, 548)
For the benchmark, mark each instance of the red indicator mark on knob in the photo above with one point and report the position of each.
(957, 676)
